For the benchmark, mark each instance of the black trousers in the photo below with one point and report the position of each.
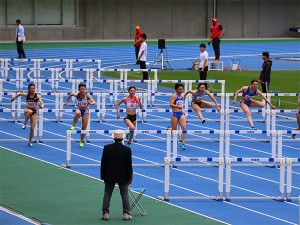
(203, 75)
(216, 46)
(137, 49)
(108, 190)
(143, 66)
(21, 53)
(265, 87)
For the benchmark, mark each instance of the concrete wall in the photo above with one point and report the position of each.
(116, 19)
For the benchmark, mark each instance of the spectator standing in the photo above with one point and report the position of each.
(142, 57)
(137, 42)
(217, 32)
(265, 74)
(116, 168)
(20, 39)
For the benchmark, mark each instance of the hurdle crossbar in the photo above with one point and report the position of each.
(106, 132)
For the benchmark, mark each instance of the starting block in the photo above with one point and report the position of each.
(135, 199)
(216, 66)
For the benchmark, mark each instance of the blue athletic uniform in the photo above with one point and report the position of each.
(247, 95)
(82, 104)
(179, 102)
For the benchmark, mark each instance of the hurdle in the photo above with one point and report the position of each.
(72, 61)
(195, 162)
(222, 82)
(69, 64)
(254, 162)
(69, 134)
(126, 81)
(266, 113)
(228, 139)
(285, 164)
(290, 163)
(15, 120)
(5, 65)
(18, 80)
(173, 161)
(175, 140)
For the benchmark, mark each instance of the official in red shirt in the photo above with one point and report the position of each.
(217, 32)
(137, 42)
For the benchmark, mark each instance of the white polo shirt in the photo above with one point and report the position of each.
(143, 48)
(203, 57)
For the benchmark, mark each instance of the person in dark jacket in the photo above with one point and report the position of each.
(116, 168)
(265, 74)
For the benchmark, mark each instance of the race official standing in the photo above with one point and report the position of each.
(116, 168)
(20, 39)
(265, 74)
(203, 68)
(137, 42)
(217, 32)
(142, 57)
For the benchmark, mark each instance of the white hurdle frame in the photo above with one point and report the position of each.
(263, 163)
(172, 159)
(266, 113)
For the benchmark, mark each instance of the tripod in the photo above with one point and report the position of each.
(160, 58)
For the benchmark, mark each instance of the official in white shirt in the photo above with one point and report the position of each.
(20, 39)
(142, 57)
(203, 65)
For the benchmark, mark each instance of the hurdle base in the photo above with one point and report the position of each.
(161, 198)
(18, 140)
(191, 198)
(99, 164)
(273, 198)
(11, 121)
(290, 199)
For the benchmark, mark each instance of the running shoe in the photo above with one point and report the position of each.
(127, 216)
(182, 146)
(23, 126)
(105, 216)
(128, 145)
(72, 128)
(254, 128)
(81, 144)
(203, 121)
(29, 144)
